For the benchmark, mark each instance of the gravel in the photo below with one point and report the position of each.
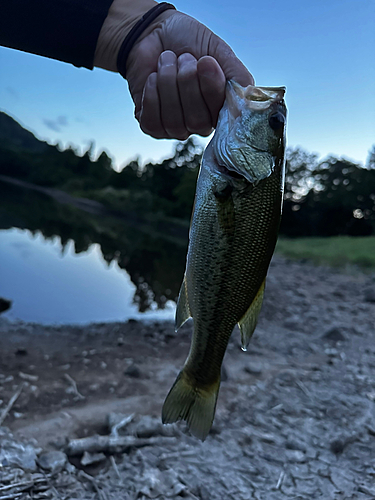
(295, 416)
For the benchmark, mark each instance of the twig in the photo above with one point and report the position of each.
(281, 479)
(276, 407)
(13, 399)
(13, 496)
(46, 479)
(28, 377)
(24, 485)
(189, 494)
(176, 454)
(74, 385)
(125, 421)
(114, 465)
(101, 493)
(304, 389)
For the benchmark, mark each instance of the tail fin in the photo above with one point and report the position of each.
(196, 405)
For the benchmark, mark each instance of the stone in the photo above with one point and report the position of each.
(16, 454)
(295, 456)
(52, 461)
(133, 371)
(92, 458)
(292, 444)
(254, 368)
(21, 351)
(337, 446)
(334, 334)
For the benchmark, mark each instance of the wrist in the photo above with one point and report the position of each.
(122, 16)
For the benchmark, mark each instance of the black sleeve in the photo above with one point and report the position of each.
(66, 30)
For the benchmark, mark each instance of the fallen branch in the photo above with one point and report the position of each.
(110, 444)
(9, 406)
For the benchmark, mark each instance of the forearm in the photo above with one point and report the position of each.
(66, 30)
(122, 16)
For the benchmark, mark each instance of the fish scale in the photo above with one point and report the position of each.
(232, 238)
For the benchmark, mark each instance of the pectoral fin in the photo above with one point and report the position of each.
(248, 322)
(183, 309)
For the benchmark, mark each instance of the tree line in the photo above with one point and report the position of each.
(322, 198)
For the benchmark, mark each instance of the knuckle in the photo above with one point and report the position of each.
(152, 130)
(206, 132)
(198, 126)
(186, 74)
(178, 134)
(185, 79)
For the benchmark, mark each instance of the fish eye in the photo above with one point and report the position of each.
(276, 121)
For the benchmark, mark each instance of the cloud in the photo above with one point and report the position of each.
(13, 93)
(56, 125)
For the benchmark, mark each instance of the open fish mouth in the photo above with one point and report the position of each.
(250, 131)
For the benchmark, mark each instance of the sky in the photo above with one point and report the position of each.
(322, 51)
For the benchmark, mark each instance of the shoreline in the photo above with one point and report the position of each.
(295, 413)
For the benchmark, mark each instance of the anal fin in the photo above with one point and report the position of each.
(183, 309)
(249, 320)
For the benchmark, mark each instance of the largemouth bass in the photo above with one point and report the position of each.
(232, 238)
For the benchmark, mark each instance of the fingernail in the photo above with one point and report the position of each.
(208, 67)
(167, 58)
(185, 58)
(152, 80)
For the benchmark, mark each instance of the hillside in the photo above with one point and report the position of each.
(14, 137)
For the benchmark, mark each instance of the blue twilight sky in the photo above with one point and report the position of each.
(322, 51)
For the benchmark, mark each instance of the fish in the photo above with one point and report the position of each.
(232, 237)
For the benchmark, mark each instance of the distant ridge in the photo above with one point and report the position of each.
(16, 138)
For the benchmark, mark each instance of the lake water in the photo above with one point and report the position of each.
(52, 284)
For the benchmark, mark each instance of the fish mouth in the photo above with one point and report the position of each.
(244, 144)
(255, 98)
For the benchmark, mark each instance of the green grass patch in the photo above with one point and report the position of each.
(337, 251)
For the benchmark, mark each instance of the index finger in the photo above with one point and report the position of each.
(232, 67)
(212, 84)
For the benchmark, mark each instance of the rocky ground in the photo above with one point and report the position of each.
(80, 406)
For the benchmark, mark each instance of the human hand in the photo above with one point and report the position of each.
(177, 72)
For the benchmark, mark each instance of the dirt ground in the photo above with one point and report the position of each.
(295, 416)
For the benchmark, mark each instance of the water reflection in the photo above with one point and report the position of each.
(151, 251)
